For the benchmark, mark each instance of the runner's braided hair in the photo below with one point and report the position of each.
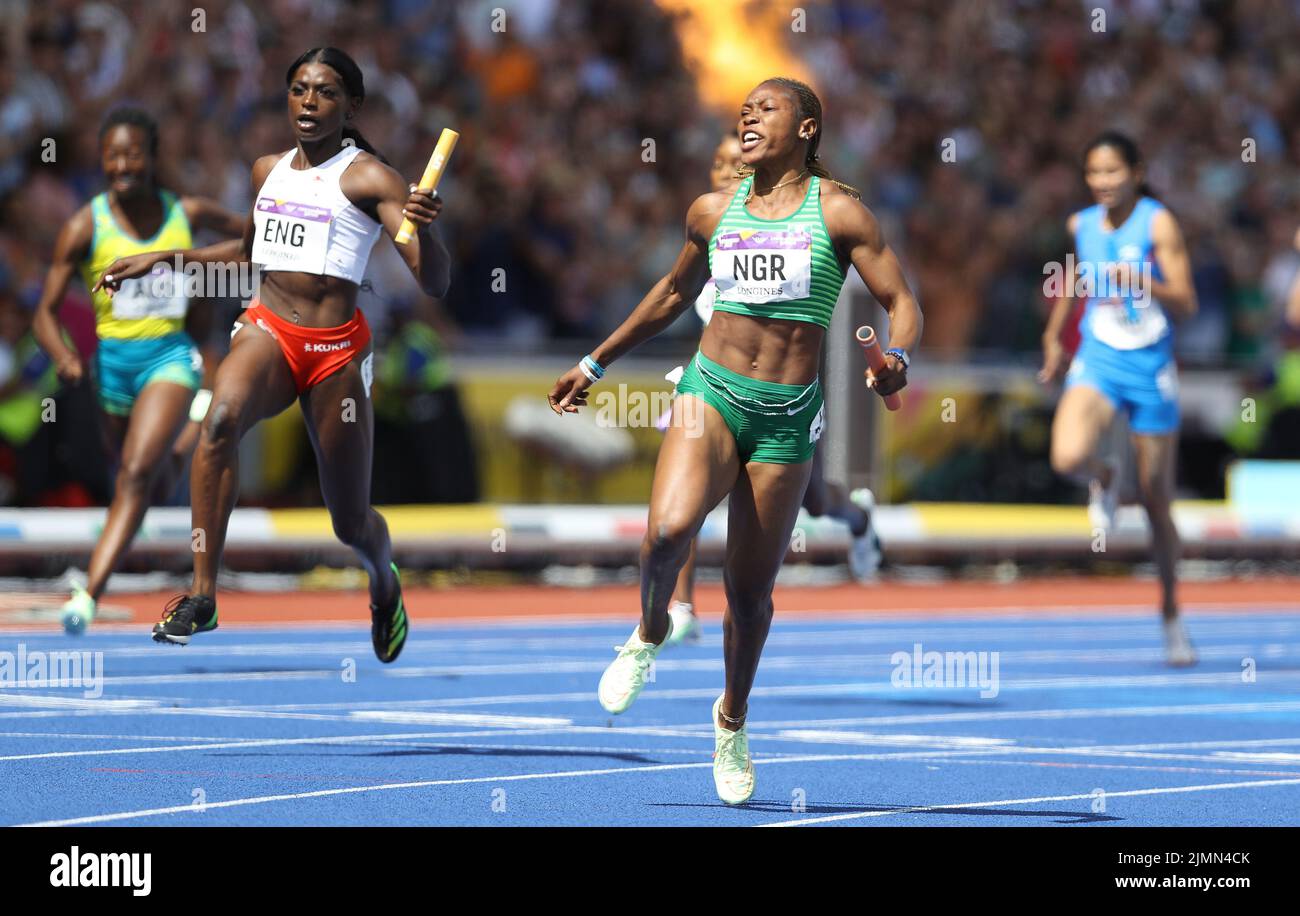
(807, 105)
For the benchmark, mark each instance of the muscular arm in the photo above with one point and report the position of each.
(1176, 294)
(676, 291)
(70, 248)
(858, 236)
(380, 191)
(879, 268)
(667, 299)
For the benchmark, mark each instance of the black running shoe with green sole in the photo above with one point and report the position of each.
(184, 616)
(388, 628)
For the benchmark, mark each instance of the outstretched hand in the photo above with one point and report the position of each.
(136, 265)
(1054, 362)
(570, 391)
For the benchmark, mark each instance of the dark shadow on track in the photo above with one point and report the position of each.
(468, 752)
(876, 702)
(783, 807)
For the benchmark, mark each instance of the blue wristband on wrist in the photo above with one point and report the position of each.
(594, 370)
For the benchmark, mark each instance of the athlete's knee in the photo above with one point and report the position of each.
(134, 474)
(221, 425)
(668, 536)
(350, 527)
(749, 600)
(1069, 459)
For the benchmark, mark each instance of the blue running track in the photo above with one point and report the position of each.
(497, 724)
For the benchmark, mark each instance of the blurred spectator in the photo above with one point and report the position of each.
(423, 452)
(49, 454)
(557, 224)
(549, 189)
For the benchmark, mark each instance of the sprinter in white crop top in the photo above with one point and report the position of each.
(317, 212)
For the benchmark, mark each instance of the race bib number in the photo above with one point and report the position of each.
(761, 265)
(161, 294)
(290, 236)
(1114, 324)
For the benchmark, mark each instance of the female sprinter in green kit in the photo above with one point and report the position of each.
(777, 248)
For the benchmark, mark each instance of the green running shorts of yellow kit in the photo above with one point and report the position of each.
(771, 423)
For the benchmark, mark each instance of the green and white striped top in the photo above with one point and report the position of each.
(784, 268)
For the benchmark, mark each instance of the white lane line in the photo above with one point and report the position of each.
(54, 701)
(574, 749)
(1112, 712)
(814, 736)
(430, 783)
(1216, 613)
(79, 736)
(1097, 765)
(287, 711)
(1190, 745)
(571, 774)
(826, 664)
(458, 718)
(291, 711)
(930, 747)
(796, 633)
(877, 688)
(256, 742)
(922, 809)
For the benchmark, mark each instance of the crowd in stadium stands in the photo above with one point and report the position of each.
(549, 183)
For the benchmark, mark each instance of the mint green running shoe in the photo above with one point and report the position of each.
(627, 673)
(733, 768)
(686, 626)
(78, 611)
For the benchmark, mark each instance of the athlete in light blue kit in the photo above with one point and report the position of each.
(1133, 270)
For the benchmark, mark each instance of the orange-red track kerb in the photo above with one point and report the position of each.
(892, 599)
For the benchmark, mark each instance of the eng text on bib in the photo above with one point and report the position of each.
(290, 236)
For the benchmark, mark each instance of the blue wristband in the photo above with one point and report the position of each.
(594, 367)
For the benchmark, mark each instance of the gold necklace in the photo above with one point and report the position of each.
(799, 177)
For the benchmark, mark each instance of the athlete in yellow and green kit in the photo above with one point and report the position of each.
(146, 368)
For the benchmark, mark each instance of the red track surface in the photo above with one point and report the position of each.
(1118, 595)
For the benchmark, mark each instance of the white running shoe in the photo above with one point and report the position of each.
(733, 770)
(686, 626)
(1103, 502)
(626, 675)
(1178, 648)
(864, 552)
